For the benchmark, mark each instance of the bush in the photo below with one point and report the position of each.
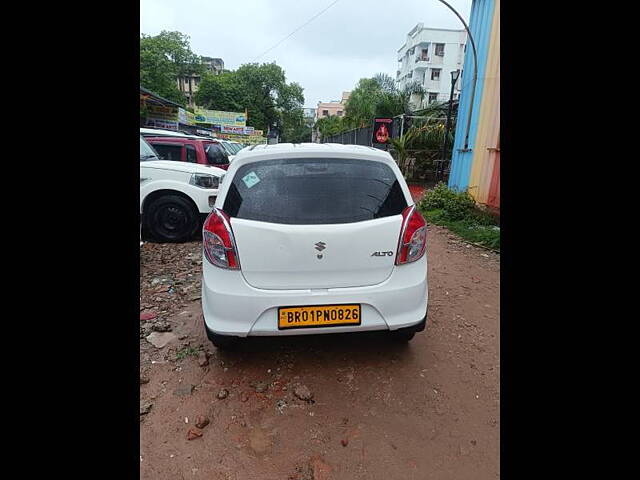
(469, 229)
(454, 205)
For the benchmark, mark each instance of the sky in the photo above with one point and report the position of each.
(353, 39)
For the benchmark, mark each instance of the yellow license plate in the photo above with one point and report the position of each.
(318, 316)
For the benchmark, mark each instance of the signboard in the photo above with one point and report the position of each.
(230, 129)
(158, 112)
(251, 140)
(217, 117)
(382, 128)
(185, 117)
(237, 130)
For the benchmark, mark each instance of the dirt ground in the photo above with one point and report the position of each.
(379, 410)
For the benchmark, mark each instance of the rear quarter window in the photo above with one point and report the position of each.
(314, 191)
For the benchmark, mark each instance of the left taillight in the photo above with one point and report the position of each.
(413, 236)
(218, 242)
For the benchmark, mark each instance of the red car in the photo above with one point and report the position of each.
(188, 149)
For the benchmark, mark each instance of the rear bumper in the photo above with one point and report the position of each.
(232, 307)
(418, 327)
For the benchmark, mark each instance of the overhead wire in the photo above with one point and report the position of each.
(296, 30)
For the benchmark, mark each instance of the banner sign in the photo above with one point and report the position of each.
(230, 129)
(185, 117)
(237, 130)
(250, 140)
(217, 117)
(382, 128)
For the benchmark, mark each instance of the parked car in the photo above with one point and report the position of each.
(313, 238)
(175, 197)
(160, 132)
(204, 151)
(232, 148)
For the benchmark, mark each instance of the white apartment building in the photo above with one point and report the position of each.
(429, 56)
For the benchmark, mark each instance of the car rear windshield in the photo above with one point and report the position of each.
(314, 191)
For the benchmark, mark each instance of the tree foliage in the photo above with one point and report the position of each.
(330, 125)
(260, 89)
(379, 97)
(163, 58)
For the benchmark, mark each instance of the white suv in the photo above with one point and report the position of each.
(175, 197)
(313, 238)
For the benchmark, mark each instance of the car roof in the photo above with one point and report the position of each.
(156, 132)
(160, 132)
(296, 149)
(182, 139)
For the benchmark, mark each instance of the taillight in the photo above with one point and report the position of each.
(218, 242)
(413, 236)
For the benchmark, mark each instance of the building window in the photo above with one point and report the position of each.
(325, 113)
(433, 97)
(339, 113)
(440, 49)
(435, 73)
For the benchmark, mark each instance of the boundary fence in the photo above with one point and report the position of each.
(420, 165)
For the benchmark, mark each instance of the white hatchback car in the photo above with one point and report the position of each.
(313, 238)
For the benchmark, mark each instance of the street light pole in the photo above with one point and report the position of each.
(475, 73)
(454, 77)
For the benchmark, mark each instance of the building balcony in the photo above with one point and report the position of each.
(421, 64)
(432, 85)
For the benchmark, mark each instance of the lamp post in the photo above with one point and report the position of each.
(475, 75)
(454, 78)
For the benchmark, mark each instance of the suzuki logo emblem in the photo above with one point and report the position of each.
(321, 246)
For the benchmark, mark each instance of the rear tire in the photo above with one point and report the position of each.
(402, 337)
(171, 218)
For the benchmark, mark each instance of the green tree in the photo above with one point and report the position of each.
(360, 108)
(294, 128)
(164, 58)
(391, 100)
(330, 126)
(379, 97)
(260, 89)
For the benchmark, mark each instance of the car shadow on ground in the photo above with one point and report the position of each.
(325, 349)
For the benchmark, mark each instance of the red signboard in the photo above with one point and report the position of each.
(382, 128)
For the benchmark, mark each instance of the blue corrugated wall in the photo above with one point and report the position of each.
(480, 26)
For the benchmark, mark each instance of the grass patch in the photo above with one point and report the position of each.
(187, 351)
(457, 212)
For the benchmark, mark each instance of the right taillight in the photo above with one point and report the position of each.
(218, 242)
(413, 236)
